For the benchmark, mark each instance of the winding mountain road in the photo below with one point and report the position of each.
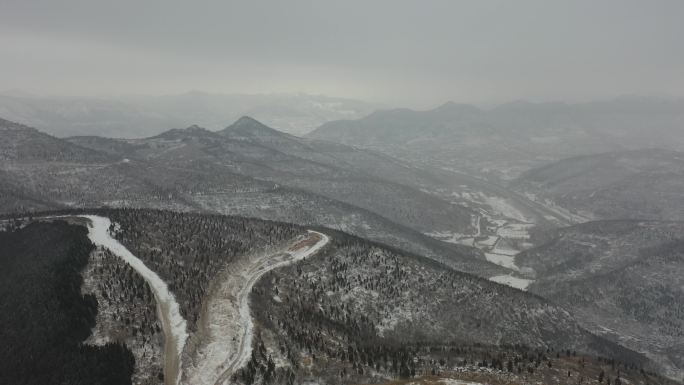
(243, 351)
(173, 323)
(223, 343)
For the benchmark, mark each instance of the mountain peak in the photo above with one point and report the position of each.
(448, 104)
(192, 131)
(247, 120)
(248, 126)
(196, 128)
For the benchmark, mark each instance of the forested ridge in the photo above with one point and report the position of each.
(359, 310)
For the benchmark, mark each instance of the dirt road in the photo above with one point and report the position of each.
(224, 341)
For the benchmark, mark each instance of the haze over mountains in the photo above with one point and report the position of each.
(141, 116)
(503, 141)
(637, 184)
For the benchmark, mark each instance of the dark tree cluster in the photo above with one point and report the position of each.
(659, 305)
(44, 318)
(121, 284)
(262, 369)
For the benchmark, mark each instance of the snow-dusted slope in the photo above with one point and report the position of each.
(224, 342)
(174, 325)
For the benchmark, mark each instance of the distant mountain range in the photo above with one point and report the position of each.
(504, 141)
(141, 116)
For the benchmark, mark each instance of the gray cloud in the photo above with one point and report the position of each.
(414, 53)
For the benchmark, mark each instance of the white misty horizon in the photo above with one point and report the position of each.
(377, 105)
(396, 52)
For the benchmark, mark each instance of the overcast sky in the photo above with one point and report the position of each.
(412, 53)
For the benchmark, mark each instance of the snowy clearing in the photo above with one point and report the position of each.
(505, 208)
(174, 325)
(451, 381)
(513, 281)
(445, 381)
(515, 230)
(505, 260)
(224, 340)
(579, 217)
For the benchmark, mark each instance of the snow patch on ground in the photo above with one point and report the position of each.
(445, 381)
(453, 237)
(489, 241)
(515, 230)
(505, 234)
(513, 281)
(505, 260)
(579, 217)
(504, 208)
(451, 381)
